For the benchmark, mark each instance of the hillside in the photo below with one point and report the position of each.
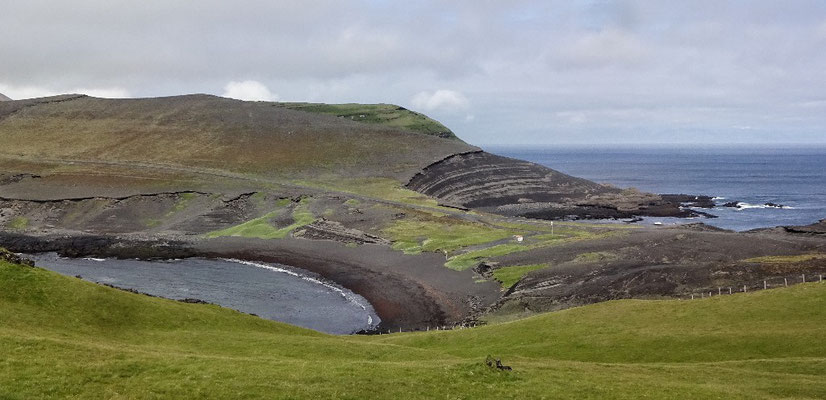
(205, 131)
(63, 337)
(4, 97)
(382, 114)
(375, 206)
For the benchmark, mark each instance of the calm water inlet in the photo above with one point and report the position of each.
(269, 290)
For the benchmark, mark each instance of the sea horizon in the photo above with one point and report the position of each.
(791, 175)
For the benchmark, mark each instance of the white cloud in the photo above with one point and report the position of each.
(28, 92)
(249, 90)
(441, 100)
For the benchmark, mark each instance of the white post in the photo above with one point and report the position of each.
(785, 282)
(400, 329)
(692, 296)
(702, 295)
(744, 288)
(428, 328)
(729, 290)
(821, 277)
(765, 286)
(552, 229)
(804, 278)
(719, 291)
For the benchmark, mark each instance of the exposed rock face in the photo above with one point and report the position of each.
(818, 228)
(480, 179)
(332, 230)
(508, 186)
(4, 97)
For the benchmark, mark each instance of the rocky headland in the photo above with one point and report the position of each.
(390, 205)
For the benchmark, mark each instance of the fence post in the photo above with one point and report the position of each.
(729, 290)
(744, 288)
(821, 277)
(719, 291)
(785, 281)
(765, 286)
(692, 296)
(804, 278)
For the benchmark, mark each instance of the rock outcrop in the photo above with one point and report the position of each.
(507, 186)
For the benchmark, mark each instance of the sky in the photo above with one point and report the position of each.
(495, 72)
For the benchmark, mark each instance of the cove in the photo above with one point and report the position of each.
(272, 291)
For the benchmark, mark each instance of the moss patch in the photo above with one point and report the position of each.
(18, 223)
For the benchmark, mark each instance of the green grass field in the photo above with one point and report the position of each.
(61, 337)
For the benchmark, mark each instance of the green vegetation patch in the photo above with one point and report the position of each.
(473, 258)
(508, 276)
(440, 234)
(262, 227)
(18, 223)
(800, 258)
(62, 337)
(381, 114)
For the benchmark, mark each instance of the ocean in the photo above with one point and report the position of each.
(792, 176)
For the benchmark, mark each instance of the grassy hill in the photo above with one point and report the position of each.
(202, 131)
(381, 114)
(62, 337)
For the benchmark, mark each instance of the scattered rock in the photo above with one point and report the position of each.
(689, 200)
(13, 258)
(193, 301)
(496, 363)
(324, 229)
(733, 204)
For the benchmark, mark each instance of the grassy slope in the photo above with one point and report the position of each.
(382, 114)
(62, 337)
(203, 131)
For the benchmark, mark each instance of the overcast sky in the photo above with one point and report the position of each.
(496, 72)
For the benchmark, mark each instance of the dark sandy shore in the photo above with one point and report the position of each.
(407, 291)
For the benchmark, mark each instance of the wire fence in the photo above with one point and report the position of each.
(772, 283)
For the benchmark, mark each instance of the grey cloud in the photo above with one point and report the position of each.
(561, 71)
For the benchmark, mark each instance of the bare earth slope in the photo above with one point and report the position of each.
(4, 97)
